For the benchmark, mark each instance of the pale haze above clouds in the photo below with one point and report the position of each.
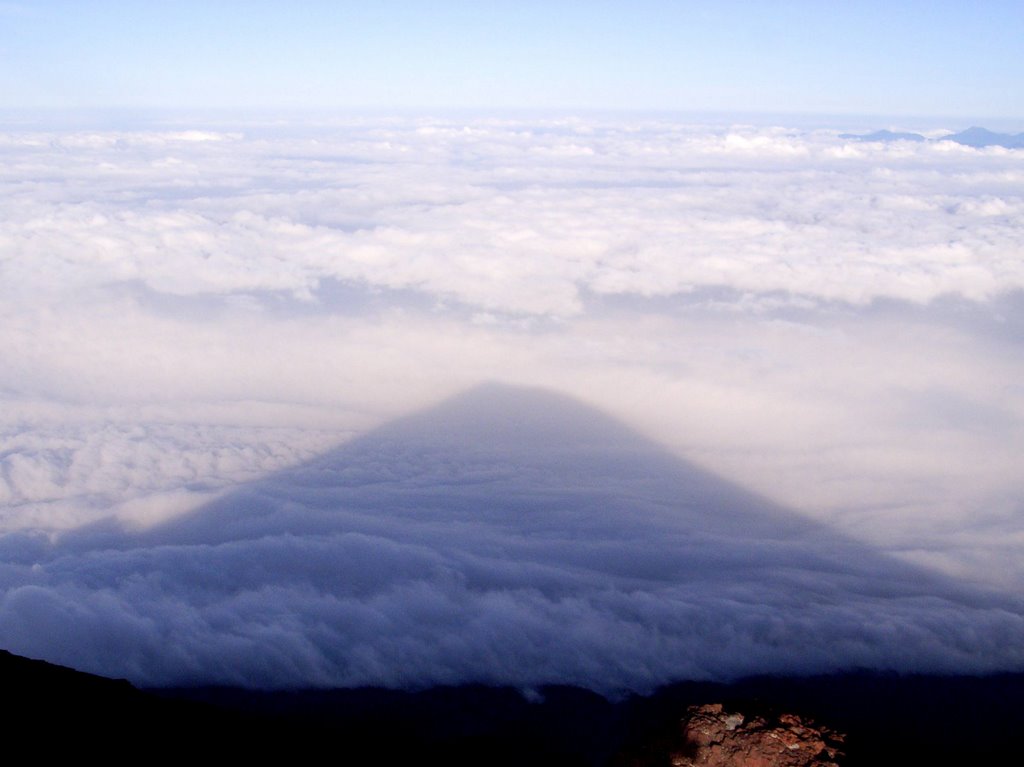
(186, 309)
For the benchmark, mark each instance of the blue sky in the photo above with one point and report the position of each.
(908, 58)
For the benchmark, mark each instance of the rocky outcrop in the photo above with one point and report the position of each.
(716, 737)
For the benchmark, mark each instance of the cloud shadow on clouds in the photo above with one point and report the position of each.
(505, 536)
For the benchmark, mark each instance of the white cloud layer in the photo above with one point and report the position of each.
(570, 208)
(836, 325)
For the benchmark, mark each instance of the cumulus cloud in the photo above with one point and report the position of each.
(59, 475)
(835, 325)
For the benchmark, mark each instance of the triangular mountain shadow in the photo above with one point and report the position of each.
(526, 469)
(506, 536)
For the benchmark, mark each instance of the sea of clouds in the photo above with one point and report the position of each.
(189, 308)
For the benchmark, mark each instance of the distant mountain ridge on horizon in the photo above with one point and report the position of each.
(975, 136)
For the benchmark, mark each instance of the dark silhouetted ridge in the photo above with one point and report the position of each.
(889, 719)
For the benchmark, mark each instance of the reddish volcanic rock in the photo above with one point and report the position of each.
(715, 737)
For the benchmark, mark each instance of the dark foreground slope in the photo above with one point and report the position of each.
(889, 720)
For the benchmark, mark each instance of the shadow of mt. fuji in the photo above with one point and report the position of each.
(540, 478)
(508, 536)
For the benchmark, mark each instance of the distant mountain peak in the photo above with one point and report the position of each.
(884, 135)
(974, 136)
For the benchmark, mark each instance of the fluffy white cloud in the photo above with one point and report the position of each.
(511, 218)
(66, 473)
